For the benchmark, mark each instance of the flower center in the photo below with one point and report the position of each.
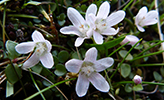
(87, 68)
(41, 48)
(83, 29)
(100, 25)
(140, 22)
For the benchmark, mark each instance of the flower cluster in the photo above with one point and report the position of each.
(94, 24)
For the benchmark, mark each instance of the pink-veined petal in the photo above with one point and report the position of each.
(103, 64)
(133, 40)
(97, 37)
(91, 21)
(150, 18)
(70, 30)
(110, 31)
(73, 65)
(79, 41)
(75, 17)
(115, 18)
(99, 82)
(48, 44)
(33, 60)
(92, 9)
(142, 12)
(104, 10)
(37, 36)
(25, 47)
(82, 85)
(91, 55)
(47, 60)
(140, 28)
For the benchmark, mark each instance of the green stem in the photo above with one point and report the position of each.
(37, 86)
(3, 26)
(43, 90)
(108, 79)
(127, 5)
(150, 54)
(124, 59)
(118, 49)
(149, 48)
(143, 65)
(58, 46)
(143, 82)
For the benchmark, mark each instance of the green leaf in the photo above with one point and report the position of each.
(137, 87)
(22, 16)
(128, 88)
(157, 76)
(106, 45)
(75, 55)
(37, 68)
(60, 70)
(9, 89)
(162, 71)
(53, 7)
(123, 54)
(61, 23)
(13, 73)
(10, 46)
(61, 17)
(125, 70)
(63, 56)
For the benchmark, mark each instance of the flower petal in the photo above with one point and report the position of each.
(99, 82)
(70, 30)
(48, 44)
(133, 40)
(25, 47)
(150, 18)
(110, 31)
(104, 63)
(140, 28)
(103, 10)
(92, 9)
(97, 37)
(91, 55)
(37, 36)
(82, 85)
(75, 17)
(73, 65)
(142, 12)
(115, 18)
(33, 60)
(79, 41)
(47, 60)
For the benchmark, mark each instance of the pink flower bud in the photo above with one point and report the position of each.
(137, 79)
(133, 40)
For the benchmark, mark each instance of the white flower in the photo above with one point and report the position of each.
(88, 71)
(41, 48)
(133, 40)
(145, 18)
(102, 23)
(80, 26)
(137, 79)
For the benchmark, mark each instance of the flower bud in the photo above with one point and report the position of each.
(131, 39)
(137, 79)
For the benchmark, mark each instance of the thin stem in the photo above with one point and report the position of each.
(58, 46)
(150, 54)
(143, 65)
(48, 81)
(37, 93)
(3, 26)
(37, 86)
(109, 81)
(78, 53)
(124, 59)
(149, 48)
(118, 49)
(127, 5)
(159, 29)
